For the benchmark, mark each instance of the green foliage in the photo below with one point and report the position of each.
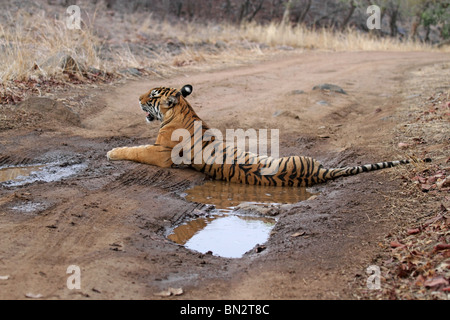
(428, 12)
(438, 13)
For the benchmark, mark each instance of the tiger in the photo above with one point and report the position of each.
(169, 105)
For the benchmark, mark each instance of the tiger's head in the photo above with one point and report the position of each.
(158, 101)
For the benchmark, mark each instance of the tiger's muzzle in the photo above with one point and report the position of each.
(152, 112)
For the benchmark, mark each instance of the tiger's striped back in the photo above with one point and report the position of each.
(245, 167)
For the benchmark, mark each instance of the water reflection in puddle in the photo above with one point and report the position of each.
(228, 236)
(225, 195)
(227, 233)
(19, 176)
(16, 173)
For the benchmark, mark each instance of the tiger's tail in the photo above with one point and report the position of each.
(330, 174)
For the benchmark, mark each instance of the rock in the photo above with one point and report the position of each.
(285, 113)
(278, 113)
(69, 64)
(33, 295)
(220, 44)
(329, 87)
(170, 292)
(258, 209)
(285, 48)
(131, 71)
(96, 71)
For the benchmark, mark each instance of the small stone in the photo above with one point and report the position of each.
(329, 87)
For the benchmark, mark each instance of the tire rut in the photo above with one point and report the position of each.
(15, 161)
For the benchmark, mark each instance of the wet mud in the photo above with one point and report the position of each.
(113, 219)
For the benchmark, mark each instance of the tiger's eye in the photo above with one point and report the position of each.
(154, 93)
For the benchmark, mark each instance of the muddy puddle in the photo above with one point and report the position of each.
(11, 176)
(226, 232)
(228, 195)
(225, 235)
(17, 173)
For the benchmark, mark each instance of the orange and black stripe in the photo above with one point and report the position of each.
(247, 167)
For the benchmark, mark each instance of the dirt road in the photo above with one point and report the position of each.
(111, 218)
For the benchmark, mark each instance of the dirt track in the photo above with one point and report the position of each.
(110, 218)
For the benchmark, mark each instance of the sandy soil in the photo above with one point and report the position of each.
(111, 218)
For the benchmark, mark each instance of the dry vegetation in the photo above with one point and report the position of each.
(415, 263)
(39, 53)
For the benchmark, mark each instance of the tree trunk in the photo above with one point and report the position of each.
(243, 11)
(393, 22)
(227, 9)
(256, 10)
(350, 13)
(302, 17)
(287, 13)
(179, 8)
(414, 26)
(417, 20)
(427, 35)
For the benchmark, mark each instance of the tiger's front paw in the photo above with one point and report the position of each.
(113, 154)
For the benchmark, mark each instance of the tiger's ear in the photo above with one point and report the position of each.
(172, 101)
(186, 90)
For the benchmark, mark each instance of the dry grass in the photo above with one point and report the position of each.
(326, 39)
(34, 46)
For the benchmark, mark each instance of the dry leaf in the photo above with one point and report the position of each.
(436, 281)
(396, 244)
(442, 246)
(413, 231)
(443, 183)
(420, 280)
(298, 234)
(426, 187)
